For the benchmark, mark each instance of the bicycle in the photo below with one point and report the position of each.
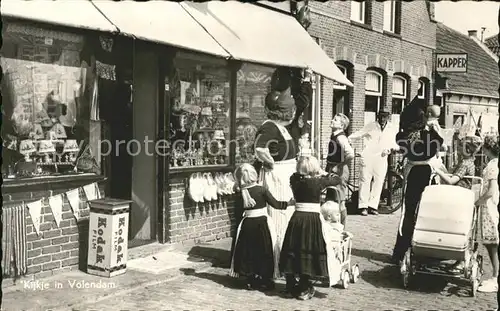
(392, 196)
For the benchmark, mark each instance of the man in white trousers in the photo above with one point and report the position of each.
(379, 140)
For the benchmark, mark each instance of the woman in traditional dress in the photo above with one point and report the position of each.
(489, 211)
(307, 252)
(420, 143)
(254, 254)
(276, 148)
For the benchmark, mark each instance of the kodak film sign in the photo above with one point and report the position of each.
(451, 62)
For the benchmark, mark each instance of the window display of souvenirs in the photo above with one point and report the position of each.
(42, 88)
(199, 127)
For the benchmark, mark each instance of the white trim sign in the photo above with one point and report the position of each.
(452, 62)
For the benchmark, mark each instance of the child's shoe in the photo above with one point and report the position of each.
(251, 283)
(308, 294)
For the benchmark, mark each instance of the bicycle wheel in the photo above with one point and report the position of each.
(396, 194)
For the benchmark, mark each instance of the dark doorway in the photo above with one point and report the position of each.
(121, 133)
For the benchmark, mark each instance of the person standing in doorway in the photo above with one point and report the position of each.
(379, 140)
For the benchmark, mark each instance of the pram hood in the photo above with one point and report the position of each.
(446, 209)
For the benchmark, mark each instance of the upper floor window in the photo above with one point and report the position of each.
(399, 94)
(373, 91)
(358, 11)
(340, 86)
(391, 16)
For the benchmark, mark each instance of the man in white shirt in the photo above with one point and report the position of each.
(379, 140)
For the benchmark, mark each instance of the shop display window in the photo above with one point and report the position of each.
(253, 84)
(46, 107)
(200, 113)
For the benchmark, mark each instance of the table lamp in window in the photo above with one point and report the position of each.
(46, 148)
(26, 148)
(59, 131)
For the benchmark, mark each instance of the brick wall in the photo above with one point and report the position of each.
(369, 47)
(55, 249)
(199, 222)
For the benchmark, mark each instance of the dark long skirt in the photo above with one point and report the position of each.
(304, 248)
(253, 252)
(417, 180)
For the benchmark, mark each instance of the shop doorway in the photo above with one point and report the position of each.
(121, 133)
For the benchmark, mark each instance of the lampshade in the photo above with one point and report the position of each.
(71, 146)
(59, 131)
(26, 147)
(38, 131)
(46, 146)
(219, 135)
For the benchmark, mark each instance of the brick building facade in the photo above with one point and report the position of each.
(375, 40)
(55, 248)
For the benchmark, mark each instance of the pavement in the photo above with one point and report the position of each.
(196, 278)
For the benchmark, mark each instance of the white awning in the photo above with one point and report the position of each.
(255, 34)
(162, 22)
(79, 14)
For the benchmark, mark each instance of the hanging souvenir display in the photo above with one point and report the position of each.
(94, 102)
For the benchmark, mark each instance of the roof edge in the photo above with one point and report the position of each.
(485, 48)
(468, 94)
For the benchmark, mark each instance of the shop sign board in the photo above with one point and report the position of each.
(451, 62)
(108, 237)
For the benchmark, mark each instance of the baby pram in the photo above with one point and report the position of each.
(348, 272)
(445, 230)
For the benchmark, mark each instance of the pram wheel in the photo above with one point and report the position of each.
(345, 279)
(354, 273)
(475, 277)
(407, 269)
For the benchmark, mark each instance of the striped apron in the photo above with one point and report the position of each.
(254, 214)
(277, 182)
(332, 260)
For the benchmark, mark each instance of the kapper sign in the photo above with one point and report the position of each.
(451, 62)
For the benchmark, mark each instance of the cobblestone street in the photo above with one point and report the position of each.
(379, 287)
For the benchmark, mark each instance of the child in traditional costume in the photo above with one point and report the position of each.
(255, 255)
(307, 252)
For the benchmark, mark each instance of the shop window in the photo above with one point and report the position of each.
(200, 112)
(47, 101)
(358, 11)
(392, 13)
(253, 84)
